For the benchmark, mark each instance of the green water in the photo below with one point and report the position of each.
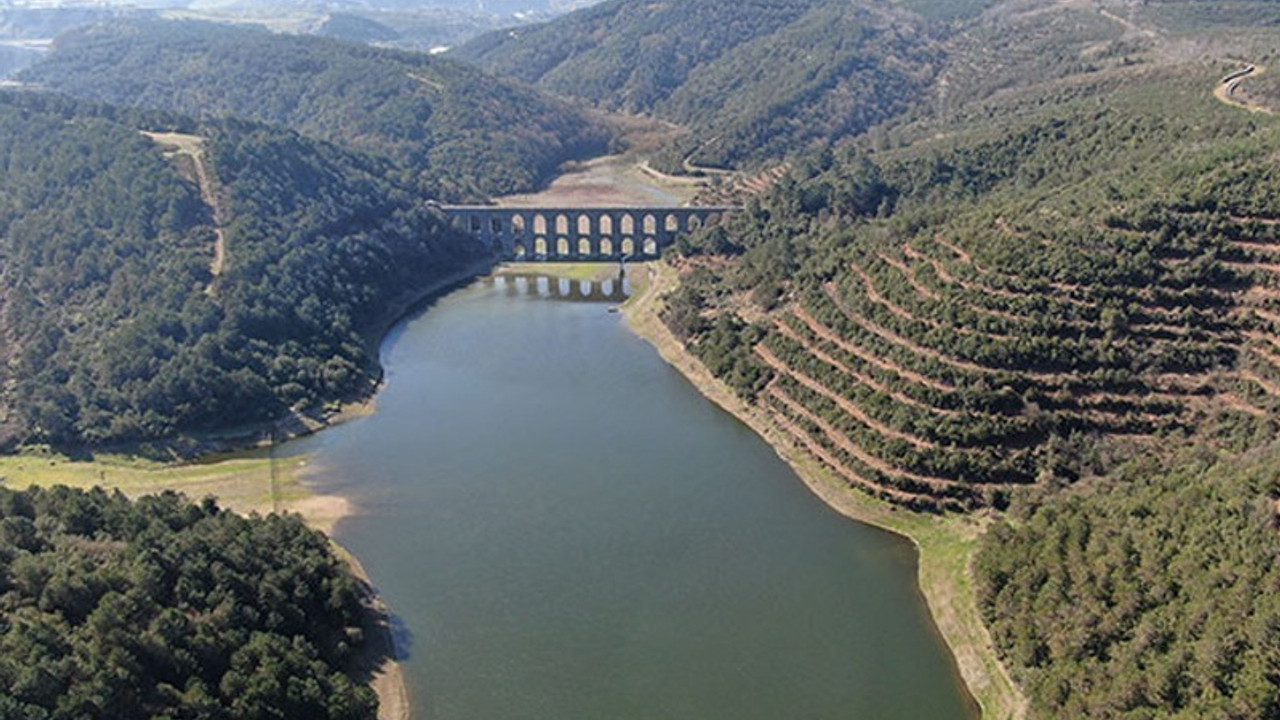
(567, 530)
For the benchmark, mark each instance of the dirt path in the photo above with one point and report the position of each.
(815, 448)
(964, 365)
(1129, 26)
(860, 377)
(1229, 92)
(924, 292)
(782, 368)
(1271, 388)
(826, 333)
(192, 146)
(855, 450)
(875, 296)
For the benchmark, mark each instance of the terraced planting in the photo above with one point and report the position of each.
(993, 335)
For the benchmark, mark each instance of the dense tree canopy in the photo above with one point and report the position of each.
(117, 328)
(753, 80)
(162, 608)
(1152, 593)
(458, 132)
(950, 319)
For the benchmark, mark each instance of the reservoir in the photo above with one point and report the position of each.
(566, 529)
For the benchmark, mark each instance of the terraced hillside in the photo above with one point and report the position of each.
(1054, 293)
(943, 323)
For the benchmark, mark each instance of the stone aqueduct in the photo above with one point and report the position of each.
(526, 234)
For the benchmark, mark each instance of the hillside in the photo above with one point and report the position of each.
(1148, 594)
(1096, 272)
(163, 608)
(1019, 305)
(751, 80)
(147, 290)
(955, 314)
(458, 133)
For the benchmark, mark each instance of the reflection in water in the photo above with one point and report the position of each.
(569, 531)
(564, 289)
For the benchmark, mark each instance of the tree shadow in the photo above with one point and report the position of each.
(386, 638)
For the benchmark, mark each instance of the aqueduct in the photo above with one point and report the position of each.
(579, 233)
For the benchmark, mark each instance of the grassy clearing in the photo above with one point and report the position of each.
(245, 482)
(594, 271)
(946, 544)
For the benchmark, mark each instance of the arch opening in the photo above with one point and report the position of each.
(650, 225)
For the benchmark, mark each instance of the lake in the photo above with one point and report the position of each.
(565, 528)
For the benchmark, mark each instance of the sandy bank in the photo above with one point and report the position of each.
(609, 181)
(946, 544)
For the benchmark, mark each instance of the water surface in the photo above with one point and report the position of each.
(567, 530)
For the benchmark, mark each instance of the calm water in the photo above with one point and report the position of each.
(568, 530)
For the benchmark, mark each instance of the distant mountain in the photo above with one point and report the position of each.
(354, 28)
(16, 58)
(45, 22)
(457, 131)
(491, 7)
(752, 79)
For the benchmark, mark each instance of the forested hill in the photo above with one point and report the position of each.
(459, 132)
(163, 609)
(972, 312)
(120, 323)
(1028, 304)
(753, 80)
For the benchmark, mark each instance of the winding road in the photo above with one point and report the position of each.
(1228, 91)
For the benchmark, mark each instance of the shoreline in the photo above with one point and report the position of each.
(238, 467)
(244, 483)
(386, 680)
(944, 545)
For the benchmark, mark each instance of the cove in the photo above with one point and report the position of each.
(566, 529)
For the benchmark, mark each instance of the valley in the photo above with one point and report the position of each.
(998, 277)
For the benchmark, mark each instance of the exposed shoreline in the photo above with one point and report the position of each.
(388, 680)
(945, 545)
(232, 467)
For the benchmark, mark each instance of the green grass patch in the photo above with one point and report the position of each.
(244, 482)
(594, 271)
